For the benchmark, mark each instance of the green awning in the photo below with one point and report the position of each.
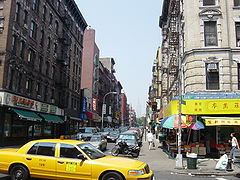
(28, 115)
(52, 118)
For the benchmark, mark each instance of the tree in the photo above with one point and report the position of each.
(141, 121)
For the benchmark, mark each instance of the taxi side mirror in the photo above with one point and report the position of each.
(81, 156)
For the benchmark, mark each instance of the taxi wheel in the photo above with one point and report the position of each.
(19, 172)
(112, 176)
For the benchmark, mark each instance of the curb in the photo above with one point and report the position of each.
(208, 173)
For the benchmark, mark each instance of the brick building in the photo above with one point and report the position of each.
(40, 68)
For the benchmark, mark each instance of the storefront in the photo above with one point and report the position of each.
(220, 114)
(23, 119)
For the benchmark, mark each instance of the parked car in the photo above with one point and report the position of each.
(86, 133)
(113, 135)
(68, 159)
(99, 142)
(130, 138)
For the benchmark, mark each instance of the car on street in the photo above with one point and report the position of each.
(68, 159)
(113, 135)
(130, 138)
(99, 142)
(85, 133)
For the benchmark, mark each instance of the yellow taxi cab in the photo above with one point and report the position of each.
(69, 159)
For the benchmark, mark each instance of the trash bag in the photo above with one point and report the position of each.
(222, 163)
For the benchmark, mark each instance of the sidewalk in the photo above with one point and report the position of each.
(158, 160)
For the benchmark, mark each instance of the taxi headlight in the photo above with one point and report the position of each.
(136, 172)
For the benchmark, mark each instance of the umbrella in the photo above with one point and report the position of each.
(197, 126)
(171, 122)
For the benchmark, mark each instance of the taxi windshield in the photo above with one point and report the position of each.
(91, 151)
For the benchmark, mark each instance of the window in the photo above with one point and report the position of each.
(50, 18)
(49, 44)
(47, 67)
(19, 82)
(45, 93)
(29, 85)
(236, 2)
(14, 44)
(208, 2)
(35, 5)
(17, 13)
(40, 64)
(42, 37)
(58, 5)
(38, 88)
(212, 76)
(12, 73)
(44, 12)
(53, 72)
(43, 148)
(55, 47)
(56, 27)
(25, 17)
(52, 94)
(33, 30)
(22, 49)
(238, 76)
(237, 26)
(69, 151)
(31, 56)
(210, 33)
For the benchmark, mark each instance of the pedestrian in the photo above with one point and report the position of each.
(150, 140)
(235, 145)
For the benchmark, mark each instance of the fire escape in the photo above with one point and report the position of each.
(173, 48)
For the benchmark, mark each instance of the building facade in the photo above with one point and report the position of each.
(90, 75)
(201, 63)
(109, 83)
(40, 68)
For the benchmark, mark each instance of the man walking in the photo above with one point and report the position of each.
(150, 139)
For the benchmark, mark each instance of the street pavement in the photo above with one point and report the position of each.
(163, 166)
(160, 161)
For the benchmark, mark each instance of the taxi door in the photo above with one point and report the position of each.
(41, 160)
(68, 166)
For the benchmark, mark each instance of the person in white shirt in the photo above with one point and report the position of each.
(235, 145)
(150, 139)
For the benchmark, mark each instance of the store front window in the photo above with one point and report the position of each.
(7, 125)
(37, 130)
(48, 130)
(19, 128)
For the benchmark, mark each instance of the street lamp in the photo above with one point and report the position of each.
(104, 105)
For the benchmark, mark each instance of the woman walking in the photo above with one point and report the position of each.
(235, 145)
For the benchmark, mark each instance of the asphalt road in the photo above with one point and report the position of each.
(160, 175)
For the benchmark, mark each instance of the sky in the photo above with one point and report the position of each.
(128, 31)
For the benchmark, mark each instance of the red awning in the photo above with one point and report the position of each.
(89, 115)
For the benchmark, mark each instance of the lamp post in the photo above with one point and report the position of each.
(104, 105)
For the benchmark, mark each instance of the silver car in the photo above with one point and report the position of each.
(99, 142)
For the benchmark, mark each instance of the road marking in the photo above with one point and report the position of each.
(221, 179)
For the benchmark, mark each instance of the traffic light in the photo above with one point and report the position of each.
(154, 106)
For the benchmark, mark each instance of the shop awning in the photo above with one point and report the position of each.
(28, 115)
(75, 118)
(52, 118)
(220, 121)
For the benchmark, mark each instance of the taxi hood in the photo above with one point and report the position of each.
(113, 161)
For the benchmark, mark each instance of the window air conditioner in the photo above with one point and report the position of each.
(212, 67)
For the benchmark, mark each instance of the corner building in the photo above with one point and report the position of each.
(201, 55)
(40, 69)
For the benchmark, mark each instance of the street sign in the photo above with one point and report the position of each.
(104, 109)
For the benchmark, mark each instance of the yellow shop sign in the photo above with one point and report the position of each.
(212, 106)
